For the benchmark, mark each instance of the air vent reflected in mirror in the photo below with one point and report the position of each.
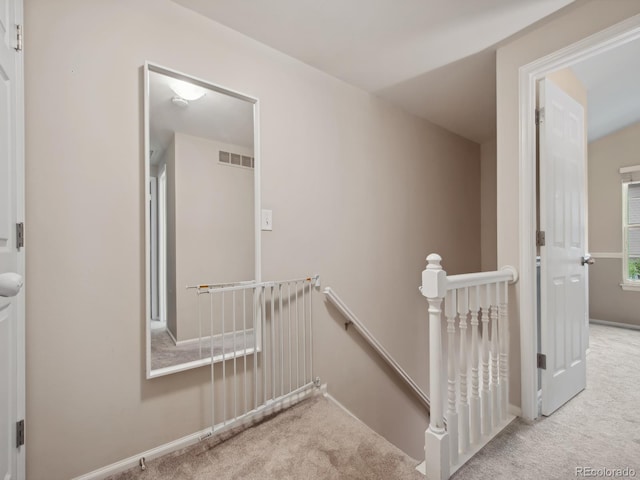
(236, 159)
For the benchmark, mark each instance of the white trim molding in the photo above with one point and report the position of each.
(515, 411)
(630, 174)
(631, 169)
(606, 255)
(134, 461)
(607, 39)
(207, 339)
(628, 326)
(189, 440)
(630, 287)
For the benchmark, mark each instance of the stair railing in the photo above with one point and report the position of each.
(376, 345)
(476, 410)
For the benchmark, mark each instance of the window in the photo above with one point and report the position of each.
(630, 227)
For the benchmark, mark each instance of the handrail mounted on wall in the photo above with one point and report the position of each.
(380, 350)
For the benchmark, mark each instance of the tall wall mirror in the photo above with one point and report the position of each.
(202, 204)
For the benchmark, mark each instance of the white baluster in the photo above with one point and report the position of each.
(463, 406)
(495, 392)
(474, 413)
(450, 312)
(485, 301)
(434, 281)
(504, 352)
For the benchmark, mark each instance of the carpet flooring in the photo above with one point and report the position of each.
(599, 428)
(313, 440)
(165, 353)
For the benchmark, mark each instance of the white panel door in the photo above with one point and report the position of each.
(562, 218)
(11, 260)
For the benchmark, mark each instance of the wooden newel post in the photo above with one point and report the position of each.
(434, 287)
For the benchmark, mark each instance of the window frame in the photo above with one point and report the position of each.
(627, 283)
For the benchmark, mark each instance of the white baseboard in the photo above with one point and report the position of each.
(464, 458)
(134, 461)
(475, 448)
(193, 341)
(628, 326)
(513, 410)
(207, 339)
(332, 399)
(168, 330)
(189, 440)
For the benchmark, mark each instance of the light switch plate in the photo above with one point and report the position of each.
(267, 220)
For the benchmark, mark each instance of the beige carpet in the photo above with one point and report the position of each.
(165, 353)
(312, 440)
(599, 428)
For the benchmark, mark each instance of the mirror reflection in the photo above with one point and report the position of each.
(201, 213)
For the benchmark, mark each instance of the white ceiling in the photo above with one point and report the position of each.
(433, 58)
(215, 116)
(612, 80)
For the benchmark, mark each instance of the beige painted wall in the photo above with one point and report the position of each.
(215, 235)
(578, 22)
(607, 301)
(169, 159)
(488, 207)
(361, 192)
(606, 156)
(571, 85)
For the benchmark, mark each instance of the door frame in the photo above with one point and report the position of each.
(612, 37)
(21, 408)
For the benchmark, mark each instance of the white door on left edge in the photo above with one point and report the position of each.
(11, 259)
(563, 275)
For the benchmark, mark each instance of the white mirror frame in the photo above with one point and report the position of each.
(152, 67)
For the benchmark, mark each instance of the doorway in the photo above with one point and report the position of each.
(530, 74)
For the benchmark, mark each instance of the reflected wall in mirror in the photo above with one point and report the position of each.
(202, 188)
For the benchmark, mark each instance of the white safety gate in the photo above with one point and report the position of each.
(260, 336)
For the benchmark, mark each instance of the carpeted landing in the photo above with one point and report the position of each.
(599, 428)
(312, 440)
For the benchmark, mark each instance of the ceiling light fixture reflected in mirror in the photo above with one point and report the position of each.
(180, 102)
(187, 91)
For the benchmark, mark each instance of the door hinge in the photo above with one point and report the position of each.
(19, 433)
(539, 116)
(18, 38)
(541, 238)
(19, 235)
(542, 361)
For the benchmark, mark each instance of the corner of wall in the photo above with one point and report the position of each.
(488, 206)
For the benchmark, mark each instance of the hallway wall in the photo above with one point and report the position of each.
(488, 206)
(361, 193)
(607, 300)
